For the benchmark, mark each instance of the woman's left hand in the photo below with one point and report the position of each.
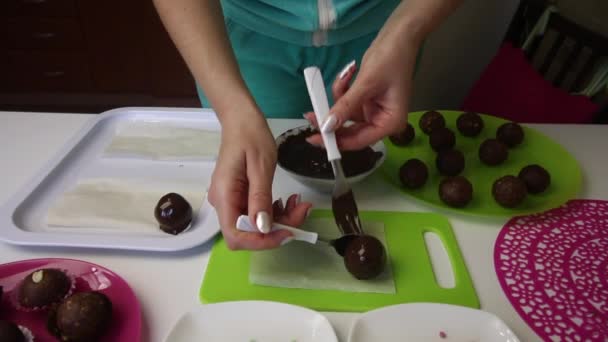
(376, 102)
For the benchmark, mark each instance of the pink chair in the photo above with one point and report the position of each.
(512, 88)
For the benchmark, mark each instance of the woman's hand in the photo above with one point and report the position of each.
(242, 183)
(377, 102)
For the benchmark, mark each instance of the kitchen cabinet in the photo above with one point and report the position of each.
(82, 55)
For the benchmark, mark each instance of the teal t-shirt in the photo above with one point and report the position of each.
(310, 22)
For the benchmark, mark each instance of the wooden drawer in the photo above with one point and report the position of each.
(33, 33)
(38, 8)
(44, 71)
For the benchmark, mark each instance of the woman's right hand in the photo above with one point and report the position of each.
(242, 183)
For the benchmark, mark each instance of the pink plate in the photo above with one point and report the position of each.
(126, 315)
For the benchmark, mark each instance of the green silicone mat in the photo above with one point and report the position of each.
(536, 148)
(226, 278)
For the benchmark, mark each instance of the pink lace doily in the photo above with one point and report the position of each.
(553, 267)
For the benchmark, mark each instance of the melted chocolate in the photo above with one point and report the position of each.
(173, 213)
(299, 156)
(345, 209)
(365, 257)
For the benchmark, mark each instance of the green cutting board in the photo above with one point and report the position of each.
(536, 148)
(227, 275)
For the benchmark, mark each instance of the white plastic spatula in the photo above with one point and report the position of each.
(243, 223)
(344, 206)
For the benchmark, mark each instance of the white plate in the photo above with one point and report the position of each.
(429, 322)
(22, 217)
(247, 321)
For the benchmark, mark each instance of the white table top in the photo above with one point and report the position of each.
(167, 284)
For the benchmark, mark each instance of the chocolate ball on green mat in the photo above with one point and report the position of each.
(413, 173)
(511, 134)
(509, 191)
(536, 178)
(493, 152)
(469, 124)
(173, 213)
(43, 287)
(84, 316)
(430, 121)
(404, 137)
(442, 139)
(450, 162)
(10, 332)
(365, 257)
(456, 191)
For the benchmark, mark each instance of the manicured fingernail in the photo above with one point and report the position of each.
(346, 69)
(262, 221)
(298, 198)
(308, 211)
(286, 240)
(329, 124)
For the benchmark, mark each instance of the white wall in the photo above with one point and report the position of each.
(456, 54)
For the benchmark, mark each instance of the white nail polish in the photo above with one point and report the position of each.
(262, 221)
(286, 240)
(298, 199)
(346, 69)
(308, 211)
(329, 124)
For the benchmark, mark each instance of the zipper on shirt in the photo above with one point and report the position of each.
(327, 19)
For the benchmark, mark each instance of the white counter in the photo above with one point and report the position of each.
(167, 284)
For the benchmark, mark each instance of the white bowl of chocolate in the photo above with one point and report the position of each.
(308, 164)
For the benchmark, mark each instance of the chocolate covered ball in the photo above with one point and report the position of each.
(442, 139)
(365, 257)
(509, 191)
(173, 213)
(493, 152)
(84, 316)
(510, 133)
(450, 162)
(430, 121)
(456, 191)
(404, 137)
(536, 178)
(413, 173)
(10, 332)
(43, 287)
(469, 124)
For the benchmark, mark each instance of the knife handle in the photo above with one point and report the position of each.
(320, 105)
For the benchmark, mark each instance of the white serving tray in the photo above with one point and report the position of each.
(22, 216)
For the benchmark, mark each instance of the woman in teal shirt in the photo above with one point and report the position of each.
(247, 57)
